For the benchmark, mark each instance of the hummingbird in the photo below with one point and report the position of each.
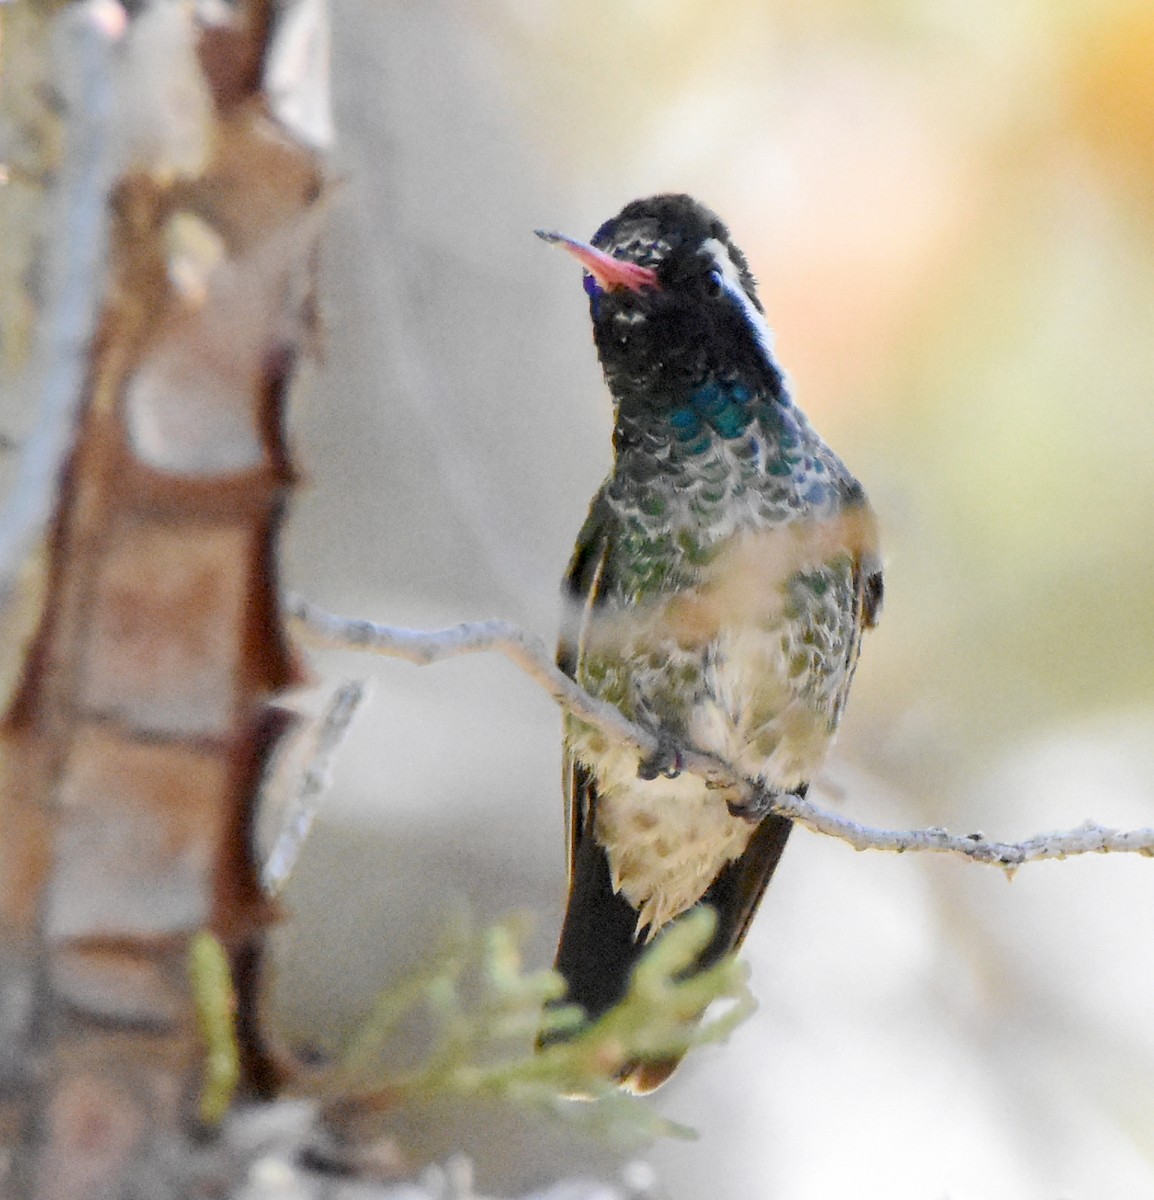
(716, 595)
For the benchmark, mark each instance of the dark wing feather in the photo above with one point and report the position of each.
(873, 592)
(738, 890)
(597, 947)
(583, 589)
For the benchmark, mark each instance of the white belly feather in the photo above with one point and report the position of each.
(667, 839)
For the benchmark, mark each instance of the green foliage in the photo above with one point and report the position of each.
(486, 1013)
(215, 1001)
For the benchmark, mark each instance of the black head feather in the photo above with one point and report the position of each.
(703, 319)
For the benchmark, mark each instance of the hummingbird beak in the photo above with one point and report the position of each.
(611, 273)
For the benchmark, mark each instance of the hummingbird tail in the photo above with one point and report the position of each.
(599, 943)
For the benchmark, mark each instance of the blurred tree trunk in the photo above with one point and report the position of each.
(158, 225)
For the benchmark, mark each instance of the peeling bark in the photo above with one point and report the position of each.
(134, 740)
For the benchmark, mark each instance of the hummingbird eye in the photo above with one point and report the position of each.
(713, 284)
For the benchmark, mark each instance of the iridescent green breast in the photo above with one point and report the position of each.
(725, 459)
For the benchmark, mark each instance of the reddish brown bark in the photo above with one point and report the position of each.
(131, 752)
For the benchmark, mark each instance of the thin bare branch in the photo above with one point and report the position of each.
(530, 653)
(526, 650)
(1088, 838)
(312, 783)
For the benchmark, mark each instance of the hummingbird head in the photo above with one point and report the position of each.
(673, 302)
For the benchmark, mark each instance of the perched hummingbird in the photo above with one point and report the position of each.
(717, 595)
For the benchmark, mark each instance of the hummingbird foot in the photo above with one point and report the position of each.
(665, 760)
(755, 802)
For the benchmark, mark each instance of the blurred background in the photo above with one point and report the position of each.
(950, 209)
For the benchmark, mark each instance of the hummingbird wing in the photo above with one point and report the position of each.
(584, 588)
(597, 947)
(868, 583)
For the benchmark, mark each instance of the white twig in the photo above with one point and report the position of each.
(526, 650)
(328, 734)
(1088, 838)
(533, 657)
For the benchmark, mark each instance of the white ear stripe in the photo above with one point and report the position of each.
(731, 281)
